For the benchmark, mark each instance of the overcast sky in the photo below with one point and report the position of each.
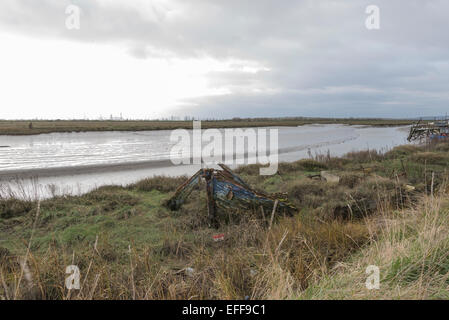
(223, 58)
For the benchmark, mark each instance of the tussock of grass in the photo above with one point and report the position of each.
(430, 158)
(401, 151)
(159, 183)
(412, 251)
(286, 167)
(10, 208)
(364, 156)
(350, 179)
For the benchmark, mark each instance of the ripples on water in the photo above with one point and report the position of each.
(76, 150)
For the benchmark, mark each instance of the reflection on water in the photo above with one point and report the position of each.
(78, 150)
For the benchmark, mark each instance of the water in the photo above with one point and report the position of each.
(78, 162)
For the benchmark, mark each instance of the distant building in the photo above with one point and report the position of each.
(112, 118)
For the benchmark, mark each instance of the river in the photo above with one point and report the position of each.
(74, 163)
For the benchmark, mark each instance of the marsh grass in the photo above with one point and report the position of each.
(127, 245)
(411, 251)
(253, 261)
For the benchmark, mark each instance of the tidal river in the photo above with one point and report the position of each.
(74, 163)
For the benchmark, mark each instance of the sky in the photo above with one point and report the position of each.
(223, 58)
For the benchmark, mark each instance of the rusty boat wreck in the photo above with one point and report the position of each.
(226, 190)
(428, 131)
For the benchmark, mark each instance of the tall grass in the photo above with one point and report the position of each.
(412, 252)
(254, 261)
(127, 246)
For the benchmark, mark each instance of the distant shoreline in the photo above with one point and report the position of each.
(34, 127)
(82, 169)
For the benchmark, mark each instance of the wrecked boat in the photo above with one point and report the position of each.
(226, 190)
(429, 131)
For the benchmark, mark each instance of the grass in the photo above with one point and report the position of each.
(127, 245)
(411, 251)
(29, 127)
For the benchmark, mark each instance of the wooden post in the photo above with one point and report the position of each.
(211, 207)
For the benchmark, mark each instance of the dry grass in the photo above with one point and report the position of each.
(255, 260)
(128, 246)
(160, 183)
(411, 250)
(431, 158)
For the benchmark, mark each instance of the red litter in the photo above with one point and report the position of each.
(219, 237)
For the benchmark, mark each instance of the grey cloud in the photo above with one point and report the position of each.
(311, 48)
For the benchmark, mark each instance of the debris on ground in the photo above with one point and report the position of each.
(329, 177)
(218, 237)
(189, 271)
